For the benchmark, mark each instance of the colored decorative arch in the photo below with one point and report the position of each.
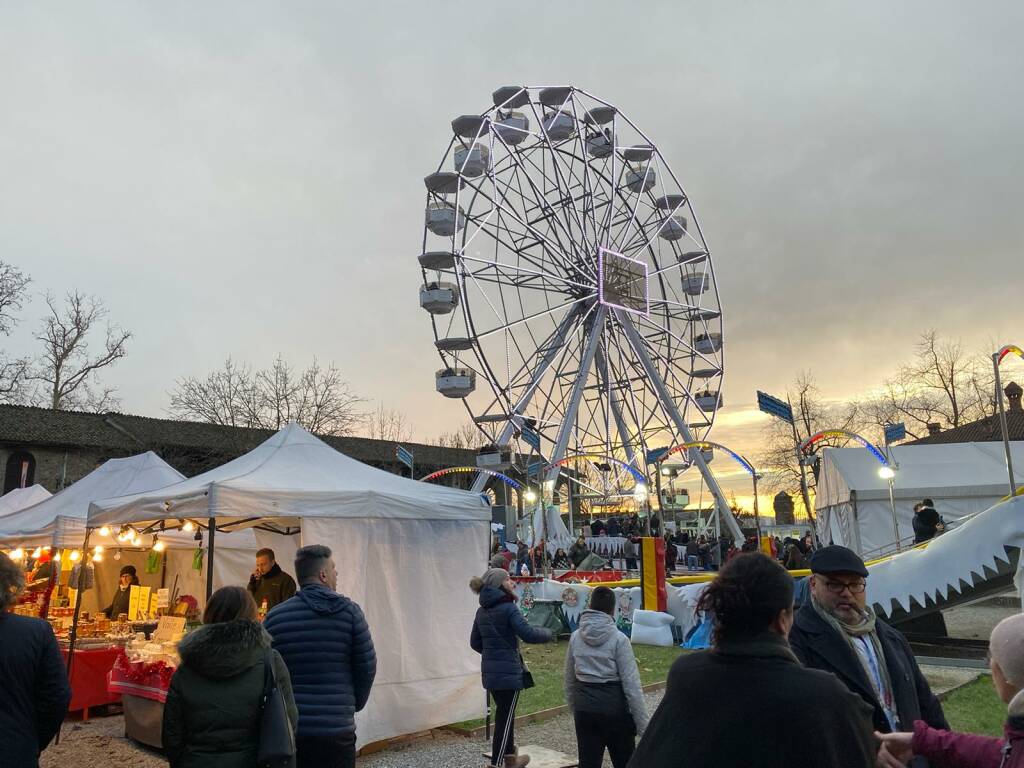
(462, 470)
(704, 444)
(637, 475)
(1010, 349)
(827, 433)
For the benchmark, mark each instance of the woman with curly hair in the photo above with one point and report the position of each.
(34, 683)
(747, 701)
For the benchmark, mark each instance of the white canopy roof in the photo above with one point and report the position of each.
(20, 498)
(925, 471)
(290, 476)
(60, 519)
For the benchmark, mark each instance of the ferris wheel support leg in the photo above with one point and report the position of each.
(556, 345)
(637, 343)
(616, 407)
(569, 417)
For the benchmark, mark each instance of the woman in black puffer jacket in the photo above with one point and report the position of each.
(496, 632)
(212, 714)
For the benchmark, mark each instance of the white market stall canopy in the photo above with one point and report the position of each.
(60, 520)
(20, 498)
(852, 502)
(386, 533)
(291, 476)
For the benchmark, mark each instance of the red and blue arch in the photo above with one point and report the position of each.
(807, 444)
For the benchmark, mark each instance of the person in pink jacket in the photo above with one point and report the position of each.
(948, 749)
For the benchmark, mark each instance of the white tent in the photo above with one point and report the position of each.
(20, 498)
(852, 502)
(59, 521)
(405, 552)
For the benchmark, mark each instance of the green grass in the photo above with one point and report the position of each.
(546, 663)
(975, 708)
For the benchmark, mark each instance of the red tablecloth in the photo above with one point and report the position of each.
(146, 680)
(89, 678)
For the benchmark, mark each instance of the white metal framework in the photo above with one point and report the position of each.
(570, 287)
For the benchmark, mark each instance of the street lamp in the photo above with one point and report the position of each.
(530, 496)
(997, 358)
(888, 473)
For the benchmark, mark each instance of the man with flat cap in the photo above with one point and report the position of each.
(838, 632)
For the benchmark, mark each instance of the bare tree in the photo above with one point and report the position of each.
(388, 424)
(13, 370)
(942, 384)
(468, 435)
(13, 283)
(67, 372)
(227, 397)
(318, 399)
(811, 414)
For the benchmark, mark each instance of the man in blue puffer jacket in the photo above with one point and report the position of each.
(496, 628)
(325, 642)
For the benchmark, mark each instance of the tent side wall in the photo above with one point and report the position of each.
(411, 578)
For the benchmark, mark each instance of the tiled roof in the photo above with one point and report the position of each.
(981, 431)
(22, 425)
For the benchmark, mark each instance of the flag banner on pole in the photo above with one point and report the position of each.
(655, 454)
(404, 456)
(773, 406)
(895, 432)
(531, 438)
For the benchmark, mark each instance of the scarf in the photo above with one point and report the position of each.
(865, 628)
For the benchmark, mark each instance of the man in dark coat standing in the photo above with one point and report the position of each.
(838, 632)
(268, 582)
(325, 642)
(35, 686)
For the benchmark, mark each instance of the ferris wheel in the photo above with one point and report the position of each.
(571, 290)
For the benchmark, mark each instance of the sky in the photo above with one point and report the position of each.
(245, 179)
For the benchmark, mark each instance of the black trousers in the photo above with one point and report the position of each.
(596, 731)
(326, 752)
(504, 740)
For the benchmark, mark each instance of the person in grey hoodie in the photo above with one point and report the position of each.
(602, 686)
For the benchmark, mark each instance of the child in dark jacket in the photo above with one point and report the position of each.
(497, 628)
(946, 749)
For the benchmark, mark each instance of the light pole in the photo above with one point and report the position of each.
(888, 472)
(997, 358)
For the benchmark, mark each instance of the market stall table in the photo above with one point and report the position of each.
(89, 679)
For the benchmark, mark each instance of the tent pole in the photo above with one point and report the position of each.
(212, 530)
(78, 601)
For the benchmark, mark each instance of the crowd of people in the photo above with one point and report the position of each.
(314, 645)
(849, 685)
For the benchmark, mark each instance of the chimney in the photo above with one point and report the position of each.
(1013, 392)
(934, 428)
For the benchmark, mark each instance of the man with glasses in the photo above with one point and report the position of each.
(837, 631)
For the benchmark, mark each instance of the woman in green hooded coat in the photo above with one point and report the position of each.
(212, 714)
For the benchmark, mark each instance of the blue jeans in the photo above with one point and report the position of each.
(692, 562)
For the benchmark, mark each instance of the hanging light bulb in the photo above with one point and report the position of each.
(122, 534)
(97, 557)
(117, 555)
(158, 546)
(17, 554)
(75, 556)
(188, 526)
(105, 530)
(136, 540)
(37, 553)
(97, 549)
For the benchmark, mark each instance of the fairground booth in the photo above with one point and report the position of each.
(405, 552)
